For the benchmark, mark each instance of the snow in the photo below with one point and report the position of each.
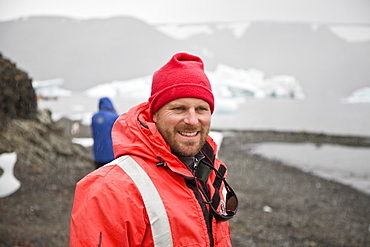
(8, 182)
(86, 142)
(349, 33)
(237, 28)
(182, 32)
(352, 33)
(361, 95)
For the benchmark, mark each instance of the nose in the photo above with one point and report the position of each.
(191, 117)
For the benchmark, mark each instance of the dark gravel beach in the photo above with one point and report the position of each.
(283, 206)
(279, 205)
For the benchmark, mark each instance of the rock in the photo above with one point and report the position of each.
(17, 97)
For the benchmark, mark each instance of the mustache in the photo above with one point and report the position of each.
(189, 128)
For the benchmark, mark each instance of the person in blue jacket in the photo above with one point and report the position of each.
(101, 126)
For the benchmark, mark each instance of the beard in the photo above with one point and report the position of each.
(179, 145)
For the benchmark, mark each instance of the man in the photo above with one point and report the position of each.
(165, 187)
(101, 127)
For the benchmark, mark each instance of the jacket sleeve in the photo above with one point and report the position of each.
(108, 211)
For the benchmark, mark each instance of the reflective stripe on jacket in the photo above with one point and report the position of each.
(113, 206)
(156, 212)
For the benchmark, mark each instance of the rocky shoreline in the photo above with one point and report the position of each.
(279, 205)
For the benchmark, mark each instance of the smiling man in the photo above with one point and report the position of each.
(165, 187)
(184, 124)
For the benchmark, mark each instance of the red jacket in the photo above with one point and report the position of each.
(118, 207)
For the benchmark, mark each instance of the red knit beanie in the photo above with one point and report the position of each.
(182, 77)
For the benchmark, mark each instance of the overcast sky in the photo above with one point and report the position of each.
(195, 11)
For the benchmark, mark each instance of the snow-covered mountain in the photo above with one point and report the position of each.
(90, 52)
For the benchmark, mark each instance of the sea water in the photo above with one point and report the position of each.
(347, 165)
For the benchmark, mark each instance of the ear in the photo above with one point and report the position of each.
(155, 117)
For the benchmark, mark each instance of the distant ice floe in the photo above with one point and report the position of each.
(50, 89)
(230, 86)
(361, 95)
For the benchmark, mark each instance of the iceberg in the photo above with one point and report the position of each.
(361, 95)
(252, 83)
(138, 88)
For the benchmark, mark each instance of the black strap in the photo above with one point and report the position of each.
(216, 185)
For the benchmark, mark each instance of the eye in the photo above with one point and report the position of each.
(202, 109)
(178, 108)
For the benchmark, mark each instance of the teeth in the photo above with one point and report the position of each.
(188, 133)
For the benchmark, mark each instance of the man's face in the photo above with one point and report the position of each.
(184, 124)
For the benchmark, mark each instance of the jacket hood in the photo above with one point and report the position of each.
(134, 134)
(106, 104)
